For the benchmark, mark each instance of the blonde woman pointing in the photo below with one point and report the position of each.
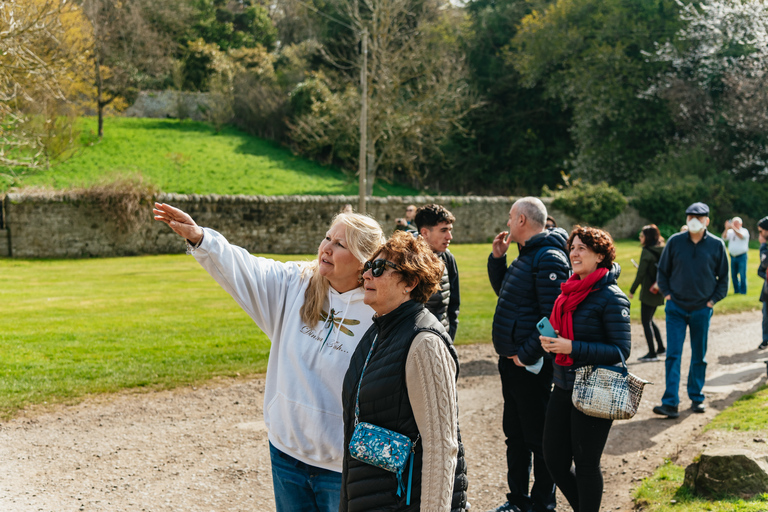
(314, 315)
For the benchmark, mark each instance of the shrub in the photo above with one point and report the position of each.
(123, 198)
(590, 204)
(663, 199)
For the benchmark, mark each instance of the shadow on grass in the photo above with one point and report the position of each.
(628, 431)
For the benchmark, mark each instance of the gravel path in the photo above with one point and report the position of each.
(205, 448)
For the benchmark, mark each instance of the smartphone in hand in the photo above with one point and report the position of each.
(545, 328)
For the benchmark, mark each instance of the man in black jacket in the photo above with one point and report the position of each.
(762, 228)
(435, 226)
(527, 291)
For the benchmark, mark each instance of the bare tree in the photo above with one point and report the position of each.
(417, 85)
(40, 49)
(127, 51)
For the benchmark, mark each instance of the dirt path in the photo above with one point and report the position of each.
(205, 448)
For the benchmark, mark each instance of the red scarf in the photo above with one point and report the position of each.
(574, 291)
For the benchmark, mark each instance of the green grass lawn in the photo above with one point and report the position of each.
(664, 490)
(187, 157)
(74, 327)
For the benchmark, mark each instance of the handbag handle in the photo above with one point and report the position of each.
(621, 355)
(360, 382)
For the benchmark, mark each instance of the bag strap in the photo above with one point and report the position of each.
(623, 361)
(360, 382)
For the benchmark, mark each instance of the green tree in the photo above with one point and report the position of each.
(227, 26)
(591, 55)
(518, 139)
(234, 24)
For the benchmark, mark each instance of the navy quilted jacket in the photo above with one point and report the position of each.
(600, 325)
(526, 294)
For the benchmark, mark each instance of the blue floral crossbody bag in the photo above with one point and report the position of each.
(382, 447)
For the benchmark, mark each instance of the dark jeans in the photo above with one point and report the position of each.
(650, 328)
(525, 406)
(571, 436)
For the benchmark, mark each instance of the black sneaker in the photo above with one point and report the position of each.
(698, 407)
(507, 507)
(763, 345)
(648, 358)
(666, 410)
(660, 350)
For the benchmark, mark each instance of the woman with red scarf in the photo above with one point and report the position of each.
(591, 318)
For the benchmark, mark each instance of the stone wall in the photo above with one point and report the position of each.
(63, 225)
(163, 104)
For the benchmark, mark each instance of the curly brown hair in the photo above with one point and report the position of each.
(417, 263)
(598, 241)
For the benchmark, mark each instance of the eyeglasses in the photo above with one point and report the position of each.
(377, 267)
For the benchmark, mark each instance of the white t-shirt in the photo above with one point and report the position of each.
(737, 246)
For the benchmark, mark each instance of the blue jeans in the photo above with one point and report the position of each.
(739, 273)
(301, 487)
(677, 321)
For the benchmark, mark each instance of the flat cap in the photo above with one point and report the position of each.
(697, 209)
(763, 223)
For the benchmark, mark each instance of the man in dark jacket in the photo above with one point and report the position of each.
(527, 291)
(762, 228)
(692, 276)
(435, 225)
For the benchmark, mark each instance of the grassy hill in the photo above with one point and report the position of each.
(188, 157)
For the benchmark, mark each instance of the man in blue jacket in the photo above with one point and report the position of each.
(692, 276)
(527, 290)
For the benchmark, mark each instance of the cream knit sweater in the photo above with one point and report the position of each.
(430, 377)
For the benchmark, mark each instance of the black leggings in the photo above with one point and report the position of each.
(650, 328)
(571, 436)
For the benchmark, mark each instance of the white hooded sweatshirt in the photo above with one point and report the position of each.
(307, 364)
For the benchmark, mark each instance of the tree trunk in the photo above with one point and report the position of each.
(371, 173)
(99, 95)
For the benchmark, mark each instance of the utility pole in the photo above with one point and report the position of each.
(363, 124)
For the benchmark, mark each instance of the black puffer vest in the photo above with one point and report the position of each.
(438, 302)
(384, 402)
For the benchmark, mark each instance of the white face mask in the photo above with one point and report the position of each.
(695, 225)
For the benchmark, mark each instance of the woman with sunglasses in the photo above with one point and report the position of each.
(402, 377)
(314, 315)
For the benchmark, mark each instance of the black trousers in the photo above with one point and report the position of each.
(572, 437)
(526, 396)
(650, 328)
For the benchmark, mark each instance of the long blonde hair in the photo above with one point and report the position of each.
(364, 237)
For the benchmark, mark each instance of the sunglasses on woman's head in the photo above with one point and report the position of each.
(377, 267)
